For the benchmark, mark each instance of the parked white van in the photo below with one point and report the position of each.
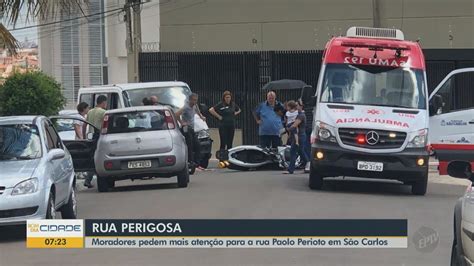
(172, 93)
(131, 94)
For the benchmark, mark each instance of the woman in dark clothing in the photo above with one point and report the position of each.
(226, 112)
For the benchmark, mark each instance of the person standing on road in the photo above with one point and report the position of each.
(226, 112)
(299, 127)
(146, 101)
(308, 116)
(269, 121)
(96, 116)
(154, 100)
(185, 116)
(79, 128)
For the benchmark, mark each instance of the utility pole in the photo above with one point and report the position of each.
(376, 14)
(134, 37)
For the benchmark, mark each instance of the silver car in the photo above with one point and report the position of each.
(140, 142)
(462, 166)
(37, 174)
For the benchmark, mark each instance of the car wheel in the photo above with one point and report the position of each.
(191, 168)
(102, 184)
(315, 180)
(183, 177)
(457, 258)
(419, 187)
(69, 211)
(51, 208)
(111, 183)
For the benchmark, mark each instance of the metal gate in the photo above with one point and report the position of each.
(244, 73)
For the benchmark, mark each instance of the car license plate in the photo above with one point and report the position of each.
(139, 164)
(370, 166)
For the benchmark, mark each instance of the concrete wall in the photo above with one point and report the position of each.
(115, 37)
(216, 144)
(210, 25)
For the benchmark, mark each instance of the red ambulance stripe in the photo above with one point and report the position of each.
(467, 147)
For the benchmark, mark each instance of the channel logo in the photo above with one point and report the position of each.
(55, 233)
(55, 228)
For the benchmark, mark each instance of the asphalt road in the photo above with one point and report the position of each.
(229, 194)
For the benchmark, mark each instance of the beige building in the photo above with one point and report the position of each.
(72, 50)
(246, 25)
(116, 49)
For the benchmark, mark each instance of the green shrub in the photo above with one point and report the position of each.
(31, 93)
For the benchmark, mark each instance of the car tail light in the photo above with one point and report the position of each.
(108, 165)
(169, 120)
(105, 125)
(170, 159)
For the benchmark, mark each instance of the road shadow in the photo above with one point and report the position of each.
(374, 187)
(366, 187)
(351, 185)
(129, 186)
(12, 233)
(140, 187)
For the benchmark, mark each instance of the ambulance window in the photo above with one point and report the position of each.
(112, 100)
(87, 98)
(456, 93)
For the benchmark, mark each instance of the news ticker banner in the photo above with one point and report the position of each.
(281, 233)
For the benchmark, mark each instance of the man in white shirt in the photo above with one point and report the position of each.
(79, 128)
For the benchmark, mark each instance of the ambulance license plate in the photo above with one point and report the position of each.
(370, 166)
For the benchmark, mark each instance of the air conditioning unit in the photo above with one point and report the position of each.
(379, 33)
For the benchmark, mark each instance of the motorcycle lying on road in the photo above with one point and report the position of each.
(252, 157)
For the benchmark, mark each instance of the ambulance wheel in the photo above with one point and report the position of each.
(315, 180)
(419, 187)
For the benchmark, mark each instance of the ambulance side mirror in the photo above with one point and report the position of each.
(308, 96)
(436, 105)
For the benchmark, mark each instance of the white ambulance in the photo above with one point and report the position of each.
(371, 115)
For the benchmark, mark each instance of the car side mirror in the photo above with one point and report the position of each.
(308, 96)
(460, 169)
(56, 154)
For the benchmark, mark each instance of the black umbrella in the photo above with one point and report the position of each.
(284, 84)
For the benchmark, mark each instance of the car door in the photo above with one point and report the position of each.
(452, 109)
(82, 151)
(61, 168)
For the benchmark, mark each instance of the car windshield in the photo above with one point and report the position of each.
(19, 142)
(137, 122)
(174, 96)
(374, 85)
